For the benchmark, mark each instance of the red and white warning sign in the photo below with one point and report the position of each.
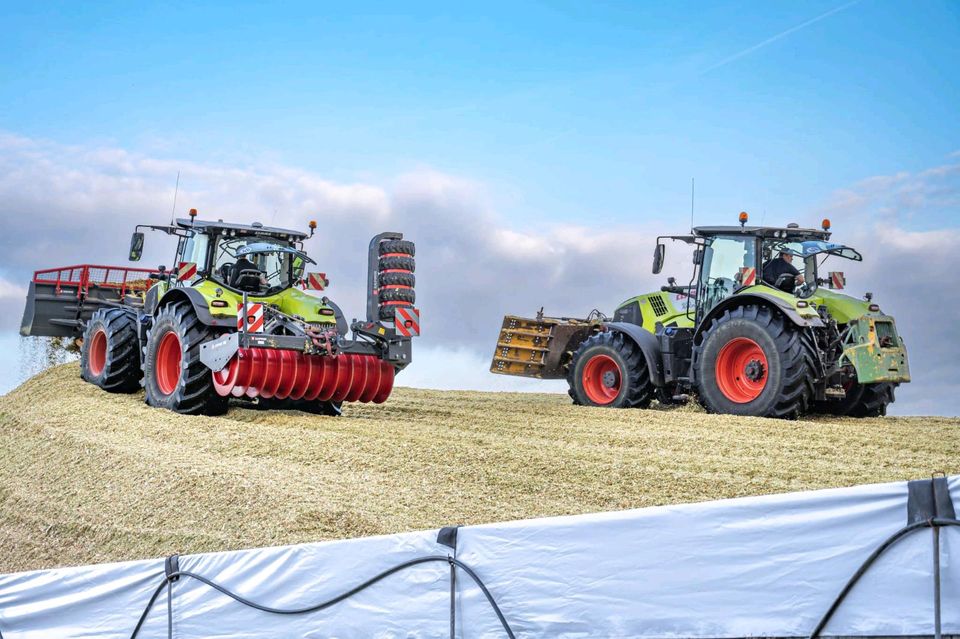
(253, 317)
(837, 279)
(748, 276)
(407, 321)
(186, 271)
(317, 281)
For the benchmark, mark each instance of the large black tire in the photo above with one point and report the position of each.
(109, 356)
(407, 295)
(397, 246)
(174, 376)
(609, 370)
(737, 382)
(862, 400)
(397, 279)
(397, 264)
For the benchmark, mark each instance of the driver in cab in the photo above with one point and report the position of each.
(782, 265)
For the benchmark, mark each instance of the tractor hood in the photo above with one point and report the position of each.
(843, 308)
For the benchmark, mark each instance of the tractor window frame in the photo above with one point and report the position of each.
(709, 295)
(215, 256)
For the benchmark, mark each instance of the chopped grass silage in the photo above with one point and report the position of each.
(90, 477)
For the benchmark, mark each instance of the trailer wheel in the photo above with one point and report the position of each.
(109, 356)
(752, 361)
(610, 370)
(862, 400)
(174, 376)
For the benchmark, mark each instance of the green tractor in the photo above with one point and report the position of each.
(750, 334)
(234, 319)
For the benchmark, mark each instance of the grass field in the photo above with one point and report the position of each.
(90, 477)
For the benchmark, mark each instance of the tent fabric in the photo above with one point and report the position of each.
(754, 566)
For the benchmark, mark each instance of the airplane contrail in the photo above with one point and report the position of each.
(781, 35)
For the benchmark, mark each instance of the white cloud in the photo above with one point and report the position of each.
(11, 292)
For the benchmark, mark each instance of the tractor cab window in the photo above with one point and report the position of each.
(195, 250)
(261, 272)
(723, 259)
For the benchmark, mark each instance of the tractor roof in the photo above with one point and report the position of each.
(207, 226)
(792, 232)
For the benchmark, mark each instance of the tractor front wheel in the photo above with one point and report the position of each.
(109, 356)
(752, 361)
(174, 376)
(610, 370)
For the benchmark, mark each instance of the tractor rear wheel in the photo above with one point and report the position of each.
(752, 361)
(862, 400)
(609, 369)
(174, 376)
(109, 356)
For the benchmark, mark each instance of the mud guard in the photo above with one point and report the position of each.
(648, 345)
(757, 298)
(199, 304)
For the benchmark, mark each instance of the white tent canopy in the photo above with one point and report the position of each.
(757, 566)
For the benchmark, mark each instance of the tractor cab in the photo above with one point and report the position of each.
(245, 258)
(729, 259)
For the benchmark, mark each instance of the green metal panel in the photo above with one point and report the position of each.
(864, 350)
(806, 310)
(291, 301)
(665, 308)
(843, 308)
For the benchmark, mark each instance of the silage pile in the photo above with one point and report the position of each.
(90, 477)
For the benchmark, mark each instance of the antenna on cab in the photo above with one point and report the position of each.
(173, 212)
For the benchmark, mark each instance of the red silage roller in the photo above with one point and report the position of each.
(283, 374)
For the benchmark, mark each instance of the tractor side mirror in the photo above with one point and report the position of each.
(698, 256)
(658, 254)
(136, 247)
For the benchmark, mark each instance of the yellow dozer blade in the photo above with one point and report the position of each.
(539, 347)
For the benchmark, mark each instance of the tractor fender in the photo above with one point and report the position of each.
(648, 346)
(761, 299)
(199, 304)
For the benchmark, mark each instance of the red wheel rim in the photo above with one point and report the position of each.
(168, 363)
(602, 379)
(741, 370)
(98, 352)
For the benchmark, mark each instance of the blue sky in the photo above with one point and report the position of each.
(565, 110)
(533, 150)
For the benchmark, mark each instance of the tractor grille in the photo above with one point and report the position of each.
(658, 306)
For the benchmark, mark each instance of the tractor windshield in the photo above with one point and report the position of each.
(817, 248)
(809, 254)
(258, 265)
